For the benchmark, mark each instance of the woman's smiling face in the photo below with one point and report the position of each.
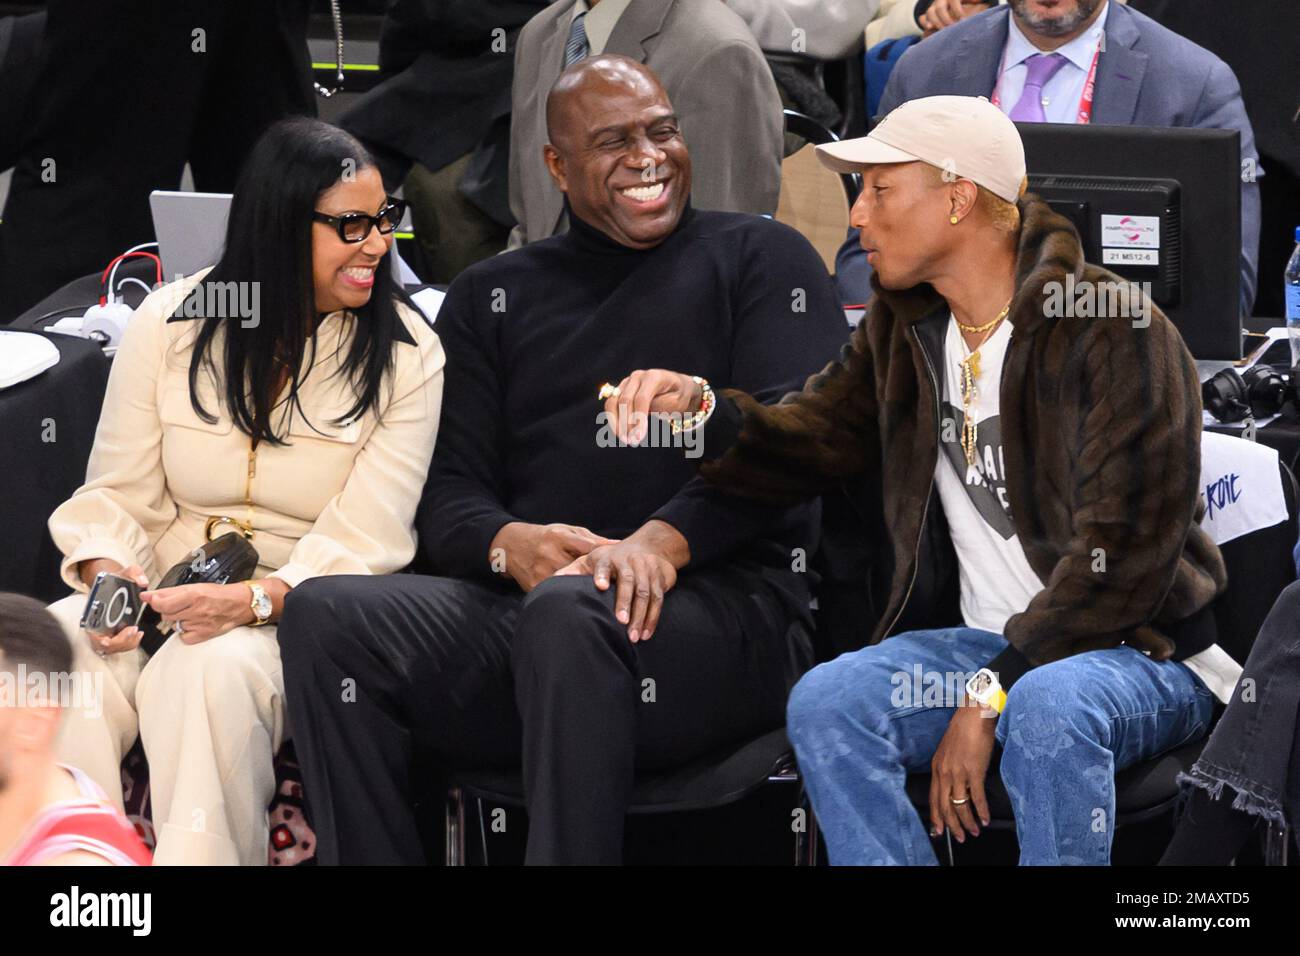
(344, 272)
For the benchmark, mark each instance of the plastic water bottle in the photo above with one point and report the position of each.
(1292, 278)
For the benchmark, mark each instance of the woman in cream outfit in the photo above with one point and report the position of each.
(322, 469)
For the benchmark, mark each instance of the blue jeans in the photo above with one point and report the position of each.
(862, 722)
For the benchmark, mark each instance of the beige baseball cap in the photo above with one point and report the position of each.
(966, 135)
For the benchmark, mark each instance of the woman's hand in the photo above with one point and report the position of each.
(127, 639)
(650, 390)
(958, 770)
(89, 570)
(203, 611)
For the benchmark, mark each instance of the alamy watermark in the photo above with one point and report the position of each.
(224, 300)
(657, 431)
(80, 690)
(1105, 299)
(74, 908)
(923, 688)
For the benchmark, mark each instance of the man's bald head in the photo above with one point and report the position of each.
(597, 77)
(616, 150)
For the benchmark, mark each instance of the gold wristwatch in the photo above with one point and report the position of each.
(261, 604)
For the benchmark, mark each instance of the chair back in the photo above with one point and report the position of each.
(1251, 513)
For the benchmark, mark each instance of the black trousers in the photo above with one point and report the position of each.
(124, 93)
(385, 672)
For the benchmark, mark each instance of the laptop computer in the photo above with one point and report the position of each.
(190, 228)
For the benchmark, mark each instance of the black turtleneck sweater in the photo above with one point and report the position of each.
(531, 335)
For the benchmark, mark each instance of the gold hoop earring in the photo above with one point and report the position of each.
(953, 220)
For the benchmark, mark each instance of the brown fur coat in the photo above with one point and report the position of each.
(1101, 430)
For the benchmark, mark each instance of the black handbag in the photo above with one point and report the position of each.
(228, 557)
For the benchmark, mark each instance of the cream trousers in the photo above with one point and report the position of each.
(211, 716)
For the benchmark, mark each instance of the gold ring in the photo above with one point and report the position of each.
(608, 391)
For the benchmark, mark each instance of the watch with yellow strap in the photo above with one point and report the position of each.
(983, 686)
(261, 604)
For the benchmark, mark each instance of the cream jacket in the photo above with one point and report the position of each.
(339, 499)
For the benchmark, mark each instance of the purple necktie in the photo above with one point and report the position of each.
(1029, 108)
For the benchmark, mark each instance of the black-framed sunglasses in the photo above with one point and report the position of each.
(356, 226)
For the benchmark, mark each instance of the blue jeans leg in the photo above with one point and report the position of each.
(860, 723)
(1070, 725)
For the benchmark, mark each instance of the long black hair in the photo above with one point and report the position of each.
(269, 242)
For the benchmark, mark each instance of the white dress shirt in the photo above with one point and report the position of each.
(1063, 91)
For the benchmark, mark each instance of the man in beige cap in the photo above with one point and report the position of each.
(1033, 472)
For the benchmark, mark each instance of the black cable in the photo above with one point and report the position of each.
(66, 308)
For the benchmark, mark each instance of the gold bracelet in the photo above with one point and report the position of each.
(707, 403)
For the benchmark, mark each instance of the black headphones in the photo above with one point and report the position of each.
(1261, 392)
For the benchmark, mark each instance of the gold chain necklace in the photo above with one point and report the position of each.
(977, 329)
(970, 372)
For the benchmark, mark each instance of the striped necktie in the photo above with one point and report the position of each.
(577, 48)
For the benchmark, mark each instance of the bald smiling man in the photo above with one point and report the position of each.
(521, 651)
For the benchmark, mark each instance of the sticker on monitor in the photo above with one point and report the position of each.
(1130, 257)
(1130, 232)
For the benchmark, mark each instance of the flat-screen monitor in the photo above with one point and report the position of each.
(1154, 205)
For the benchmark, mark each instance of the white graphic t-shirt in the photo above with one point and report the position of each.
(996, 579)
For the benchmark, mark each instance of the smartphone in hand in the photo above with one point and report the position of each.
(112, 605)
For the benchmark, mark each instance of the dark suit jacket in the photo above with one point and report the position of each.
(1147, 76)
(715, 76)
(1270, 85)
